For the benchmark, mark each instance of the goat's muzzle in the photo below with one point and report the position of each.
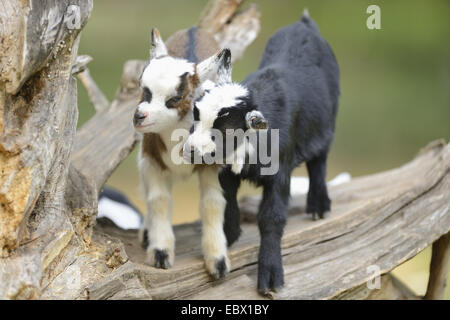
(138, 118)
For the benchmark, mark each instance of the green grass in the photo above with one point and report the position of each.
(395, 81)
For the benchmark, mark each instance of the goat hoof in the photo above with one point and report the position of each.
(319, 215)
(267, 293)
(324, 215)
(159, 258)
(218, 268)
(270, 278)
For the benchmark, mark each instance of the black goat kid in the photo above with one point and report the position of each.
(295, 91)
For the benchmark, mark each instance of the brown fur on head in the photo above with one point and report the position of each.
(186, 91)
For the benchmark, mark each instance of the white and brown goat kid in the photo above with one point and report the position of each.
(170, 82)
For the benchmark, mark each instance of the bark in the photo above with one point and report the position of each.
(377, 223)
(51, 175)
(38, 117)
(438, 268)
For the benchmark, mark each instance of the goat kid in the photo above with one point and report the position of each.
(170, 82)
(295, 91)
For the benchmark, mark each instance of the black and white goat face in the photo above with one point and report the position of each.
(221, 114)
(169, 86)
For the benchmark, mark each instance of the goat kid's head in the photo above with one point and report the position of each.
(169, 86)
(220, 114)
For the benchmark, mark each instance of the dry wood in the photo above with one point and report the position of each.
(96, 96)
(232, 28)
(38, 117)
(217, 14)
(378, 221)
(438, 268)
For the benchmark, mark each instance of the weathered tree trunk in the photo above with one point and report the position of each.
(377, 222)
(38, 117)
(50, 175)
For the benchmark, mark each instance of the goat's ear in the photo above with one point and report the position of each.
(208, 68)
(157, 46)
(224, 71)
(255, 120)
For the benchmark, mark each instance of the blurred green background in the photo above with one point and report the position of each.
(395, 81)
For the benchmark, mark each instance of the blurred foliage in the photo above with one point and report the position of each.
(395, 81)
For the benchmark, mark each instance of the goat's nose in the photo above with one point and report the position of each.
(139, 117)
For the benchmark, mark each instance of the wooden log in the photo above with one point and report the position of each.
(38, 117)
(232, 27)
(390, 289)
(438, 268)
(377, 223)
(96, 96)
(111, 129)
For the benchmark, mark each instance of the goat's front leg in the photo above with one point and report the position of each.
(272, 218)
(156, 233)
(230, 183)
(212, 207)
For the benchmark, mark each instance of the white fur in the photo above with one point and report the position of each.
(157, 221)
(162, 78)
(122, 215)
(212, 207)
(207, 69)
(159, 48)
(209, 106)
(300, 185)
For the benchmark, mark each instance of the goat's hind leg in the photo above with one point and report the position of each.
(212, 207)
(318, 202)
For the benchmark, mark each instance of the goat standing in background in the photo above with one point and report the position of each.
(296, 91)
(170, 83)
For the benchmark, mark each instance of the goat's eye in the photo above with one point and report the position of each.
(146, 95)
(172, 101)
(196, 114)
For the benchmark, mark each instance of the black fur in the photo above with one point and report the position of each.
(296, 88)
(161, 259)
(230, 184)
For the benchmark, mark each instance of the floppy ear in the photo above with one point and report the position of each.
(255, 120)
(208, 68)
(224, 71)
(157, 46)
